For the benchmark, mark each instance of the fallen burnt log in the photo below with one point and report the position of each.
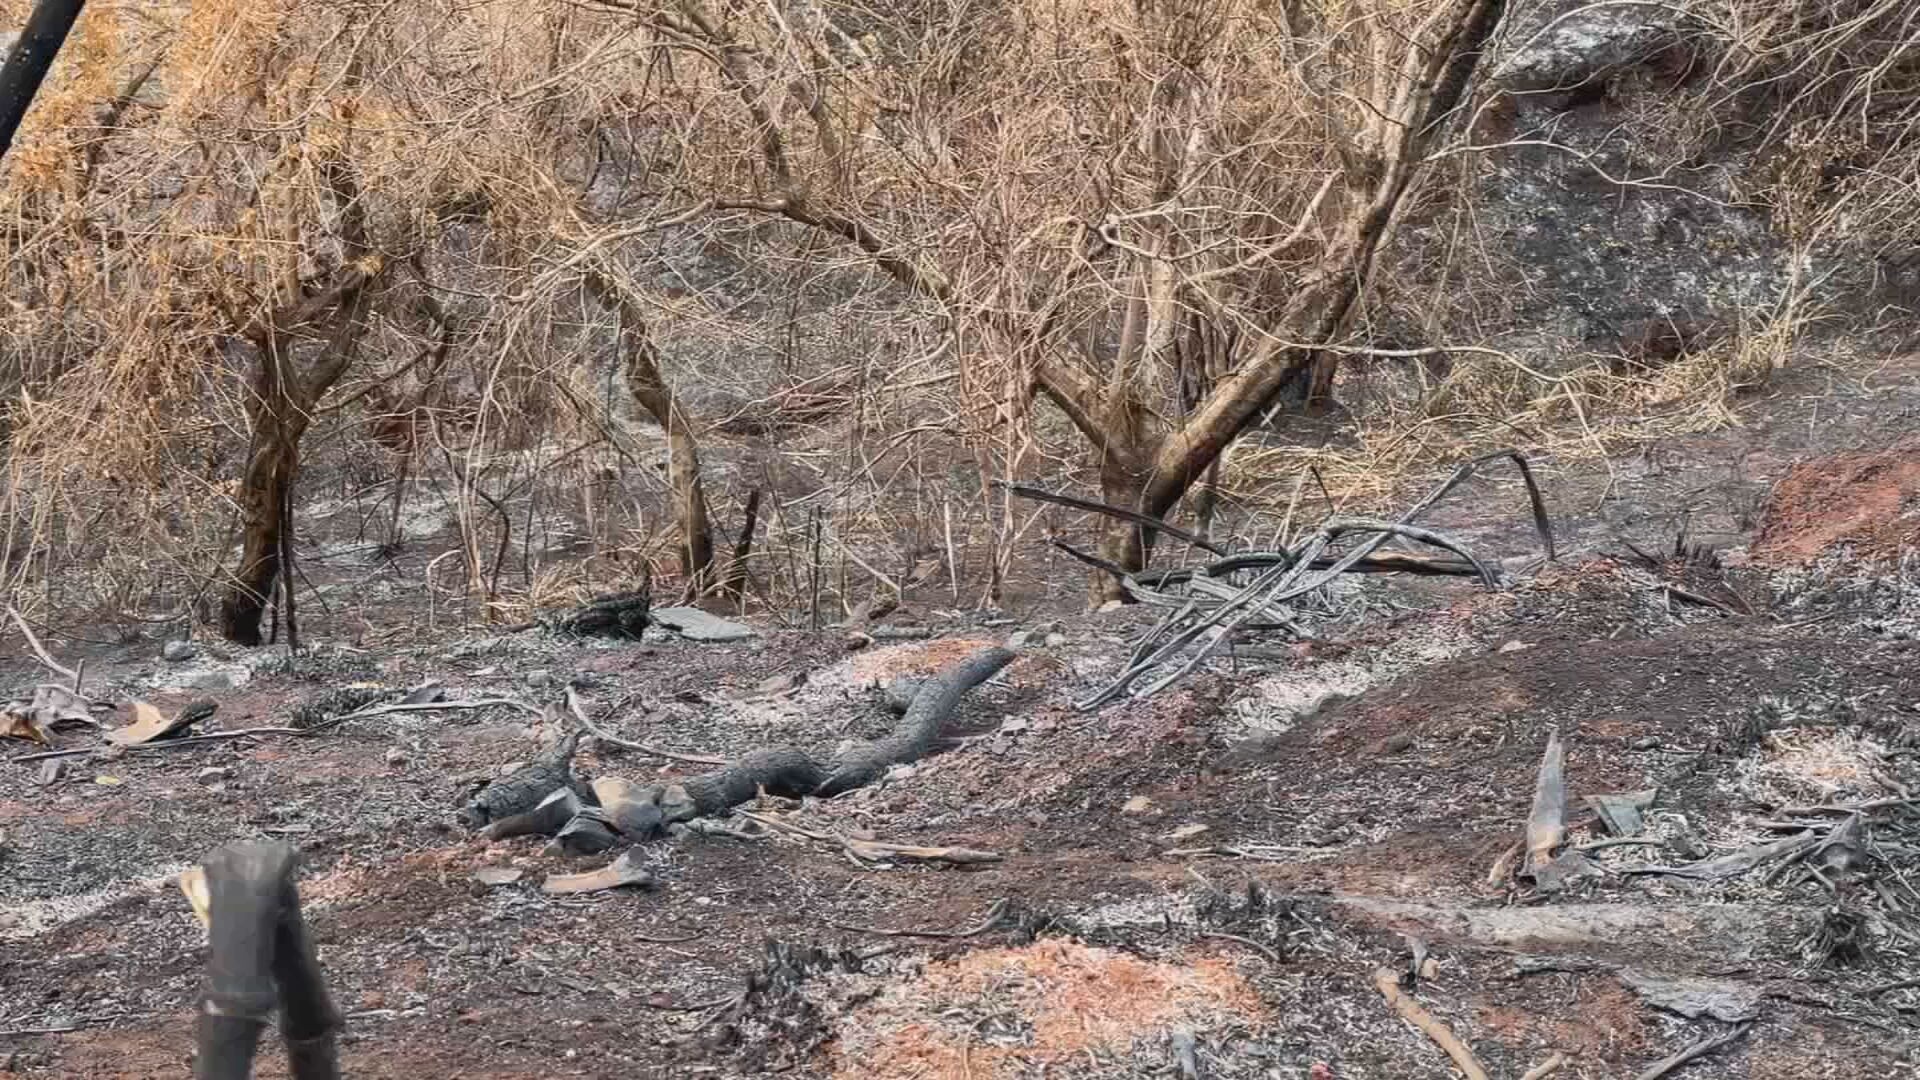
(616, 615)
(1244, 591)
(637, 812)
(522, 792)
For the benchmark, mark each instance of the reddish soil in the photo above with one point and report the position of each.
(1868, 500)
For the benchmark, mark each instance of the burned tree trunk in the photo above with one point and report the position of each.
(1124, 543)
(641, 362)
(27, 63)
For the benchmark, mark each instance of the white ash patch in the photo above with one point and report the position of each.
(1275, 703)
(21, 919)
(1811, 766)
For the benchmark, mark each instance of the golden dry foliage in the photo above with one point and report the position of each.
(962, 194)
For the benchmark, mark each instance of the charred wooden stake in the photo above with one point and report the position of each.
(261, 960)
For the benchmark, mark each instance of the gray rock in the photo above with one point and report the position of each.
(697, 625)
(1588, 43)
(175, 652)
(213, 774)
(539, 678)
(396, 756)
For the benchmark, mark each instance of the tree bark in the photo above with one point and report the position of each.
(641, 362)
(265, 491)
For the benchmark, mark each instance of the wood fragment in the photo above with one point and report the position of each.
(1502, 867)
(1546, 1068)
(1691, 597)
(1546, 826)
(1700, 1049)
(1410, 1010)
(1737, 863)
(621, 872)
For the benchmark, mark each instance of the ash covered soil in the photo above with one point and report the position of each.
(1205, 882)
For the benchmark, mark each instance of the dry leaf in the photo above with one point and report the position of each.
(15, 725)
(148, 724)
(193, 883)
(49, 707)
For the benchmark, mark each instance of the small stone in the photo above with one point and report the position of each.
(1139, 804)
(493, 876)
(176, 652)
(1023, 639)
(1112, 605)
(1396, 742)
(510, 768)
(1056, 640)
(698, 625)
(1188, 831)
(539, 679)
(213, 774)
(396, 756)
(108, 781)
(1514, 646)
(217, 789)
(1645, 742)
(897, 773)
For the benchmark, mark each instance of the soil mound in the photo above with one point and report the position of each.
(1866, 500)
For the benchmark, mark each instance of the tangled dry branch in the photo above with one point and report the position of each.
(1253, 589)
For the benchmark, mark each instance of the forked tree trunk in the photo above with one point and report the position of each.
(279, 406)
(641, 361)
(280, 403)
(1438, 75)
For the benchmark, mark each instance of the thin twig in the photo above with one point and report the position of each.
(40, 651)
(580, 714)
(1546, 1068)
(247, 733)
(1146, 521)
(1247, 941)
(1700, 1049)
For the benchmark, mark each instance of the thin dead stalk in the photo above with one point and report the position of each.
(1388, 983)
